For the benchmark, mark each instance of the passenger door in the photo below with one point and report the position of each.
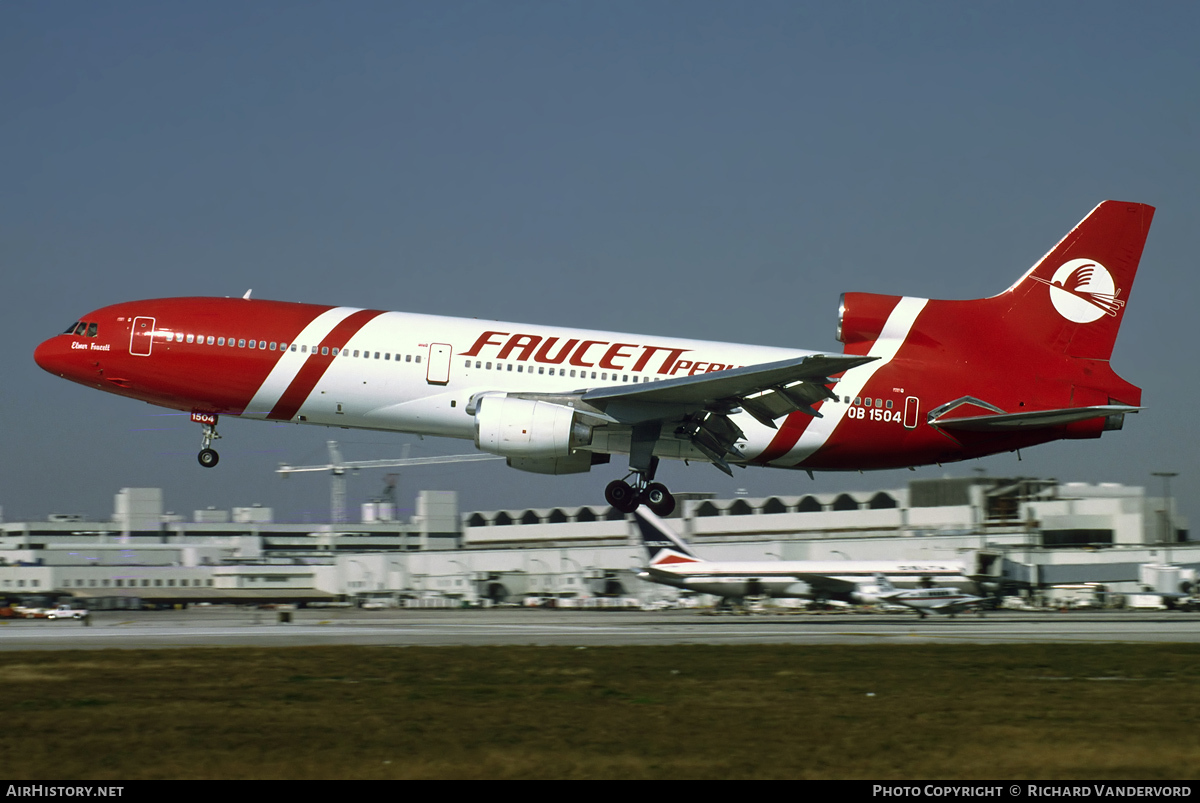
(438, 366)
(141, 338)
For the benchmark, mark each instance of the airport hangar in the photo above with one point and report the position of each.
(1037, 536)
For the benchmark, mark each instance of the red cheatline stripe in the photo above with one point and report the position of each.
(315, 366)
(787, 436)
(796, 423)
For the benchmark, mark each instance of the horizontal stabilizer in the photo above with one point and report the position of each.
(1037, 419)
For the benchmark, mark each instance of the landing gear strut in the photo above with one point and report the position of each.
(626, 497)
(209, 457)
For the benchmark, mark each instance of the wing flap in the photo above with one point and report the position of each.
(699, 408)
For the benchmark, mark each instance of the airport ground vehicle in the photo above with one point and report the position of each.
(67, 612)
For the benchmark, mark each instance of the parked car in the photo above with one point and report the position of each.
(66, 612)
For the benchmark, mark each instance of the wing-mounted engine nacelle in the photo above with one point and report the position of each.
(861, 316)
(527, 429)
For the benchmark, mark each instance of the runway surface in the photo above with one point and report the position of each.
(240, 627)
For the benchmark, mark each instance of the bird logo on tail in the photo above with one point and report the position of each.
(1083, 291)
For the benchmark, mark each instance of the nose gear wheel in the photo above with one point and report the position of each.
(208, 457)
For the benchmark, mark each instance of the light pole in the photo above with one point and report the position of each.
(366, 573)
(1168, 536)
(546, 576)
(400, 569)
(582, 590)
(468, 589)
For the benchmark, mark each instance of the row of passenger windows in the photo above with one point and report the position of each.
(242, 343)
(867, 402)
(82, 328)
(90, 329)
(500, 366)
(210, 340)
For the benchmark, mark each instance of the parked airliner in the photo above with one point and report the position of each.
(917, 382)
(672, 562)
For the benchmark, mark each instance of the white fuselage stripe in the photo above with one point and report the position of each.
(819, 430)
(290, 362)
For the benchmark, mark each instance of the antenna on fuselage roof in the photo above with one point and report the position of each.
(248, 292)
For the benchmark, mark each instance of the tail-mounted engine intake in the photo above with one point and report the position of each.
(524, 428)
(861, 316)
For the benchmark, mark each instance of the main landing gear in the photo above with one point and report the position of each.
(209, 457)
(626, 497)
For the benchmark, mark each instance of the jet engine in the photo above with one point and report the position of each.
(861, 316)
(528, 431)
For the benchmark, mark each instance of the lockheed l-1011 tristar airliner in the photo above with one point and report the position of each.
(917, 382)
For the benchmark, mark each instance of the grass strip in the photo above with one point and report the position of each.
(1027, 711)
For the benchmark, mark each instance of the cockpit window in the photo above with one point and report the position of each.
(91, 330)
(71, 329)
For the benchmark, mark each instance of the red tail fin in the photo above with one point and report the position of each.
(1042, 345)
(1073, 300)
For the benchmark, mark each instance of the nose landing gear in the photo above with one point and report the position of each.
(208, 457)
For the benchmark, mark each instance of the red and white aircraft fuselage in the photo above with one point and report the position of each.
(919, 381)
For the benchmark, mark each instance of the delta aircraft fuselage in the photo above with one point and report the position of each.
(671, 561)
(849, 581)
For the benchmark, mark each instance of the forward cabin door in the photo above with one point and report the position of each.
(141, 337)
(438, 370)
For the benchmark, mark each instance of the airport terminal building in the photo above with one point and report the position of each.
(1035, 537)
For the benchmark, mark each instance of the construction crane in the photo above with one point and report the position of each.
(337, 467)
(389, 490)
(337, 484)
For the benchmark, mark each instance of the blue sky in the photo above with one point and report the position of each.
(713, 170)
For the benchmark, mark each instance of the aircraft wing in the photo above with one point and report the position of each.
(698, 407)
(823, 583)
(773, 388)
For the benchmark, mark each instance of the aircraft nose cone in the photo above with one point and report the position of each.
(52, 356)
